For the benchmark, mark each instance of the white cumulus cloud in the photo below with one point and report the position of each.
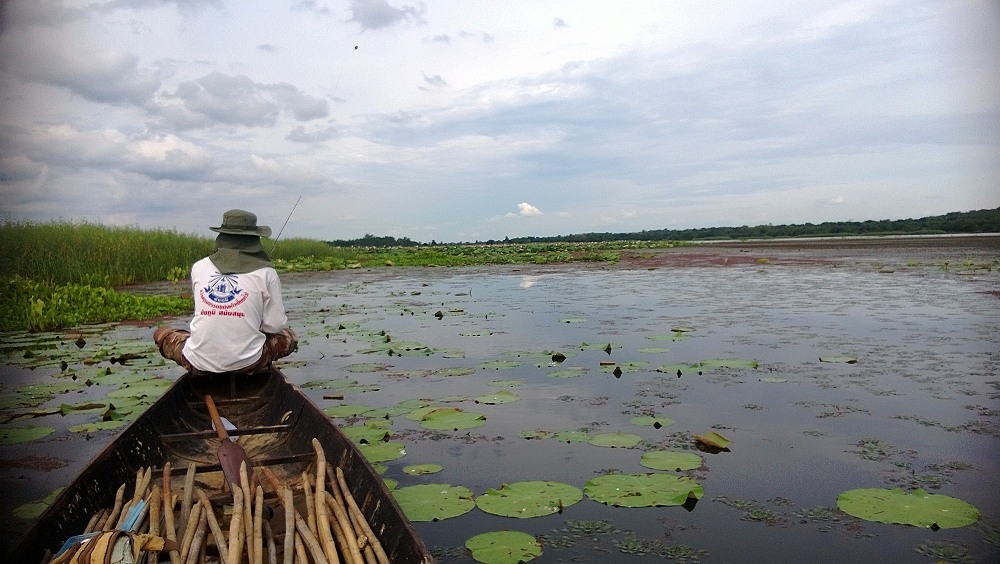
(524, 209)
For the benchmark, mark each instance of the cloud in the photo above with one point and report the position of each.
(76, 64)
(524, 209)
(238, 100)
(375, 14)
(434, 82)
(299, 134)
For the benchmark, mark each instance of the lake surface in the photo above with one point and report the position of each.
(918, 408)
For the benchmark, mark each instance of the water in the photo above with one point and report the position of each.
(925, 386)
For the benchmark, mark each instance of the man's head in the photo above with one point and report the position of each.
(240, 222)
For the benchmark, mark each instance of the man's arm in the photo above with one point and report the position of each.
(274, 317)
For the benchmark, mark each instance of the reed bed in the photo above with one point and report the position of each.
(96, 255)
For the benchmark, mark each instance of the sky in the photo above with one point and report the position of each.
(461, 121)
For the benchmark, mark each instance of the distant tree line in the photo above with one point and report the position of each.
(370, 240)
(980, 221)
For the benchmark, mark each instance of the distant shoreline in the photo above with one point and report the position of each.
(972, 240)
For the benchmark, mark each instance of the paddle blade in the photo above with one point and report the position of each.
(231, 457)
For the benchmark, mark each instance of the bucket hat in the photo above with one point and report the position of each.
(241, 222)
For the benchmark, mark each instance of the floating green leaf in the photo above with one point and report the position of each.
(14, 435)
(529, 499)
(34, 509)
(614, 440)
(643, 490)
(570, 436)
(729, 363)
(504, 547)
(677, 369)
(499, 364)
(841, 359)
(362, 434)
(453, 418)
(434, 502)
(713, 439)
(98, 426)
(918, 508)
(382, 451)
(503, 396)
(455, 371)
(671, 460)
(625, 366)
(567, 372)
(365, 367)
(346, 410)
(420, 469)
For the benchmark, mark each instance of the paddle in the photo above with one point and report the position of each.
(231, 455)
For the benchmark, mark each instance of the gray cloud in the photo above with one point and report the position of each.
(238, 100)
(95, 74)
(376, 14)
(299, 134)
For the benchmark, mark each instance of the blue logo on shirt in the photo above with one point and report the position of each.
(222, 288)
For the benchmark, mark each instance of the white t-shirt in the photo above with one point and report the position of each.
(232, 312)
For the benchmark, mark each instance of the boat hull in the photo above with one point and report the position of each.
(275, 423)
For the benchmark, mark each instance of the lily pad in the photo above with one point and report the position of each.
(713, 439)
(499, 364)
(455, 371)
(504, 547)
(529, 499)
(671, 460)
(568, 372)
(570, 436)
(98, 426)
(346, 410)
(842, 359)
(434, 502)
(365, 434)
(643, 490)
(502, 396)
(625, 366)
(918, 508)
(615, 440)
(382, 451)
(729, 363)
(15, 435)
(453, 418)
(421, 469)
(34, 509)
(365, 367)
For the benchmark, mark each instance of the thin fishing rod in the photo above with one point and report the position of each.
(280, 231)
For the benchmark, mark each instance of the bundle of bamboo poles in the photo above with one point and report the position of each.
(194, 531)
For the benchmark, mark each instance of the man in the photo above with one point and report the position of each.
(239, 318)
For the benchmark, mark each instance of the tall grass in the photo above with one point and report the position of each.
(96, 255)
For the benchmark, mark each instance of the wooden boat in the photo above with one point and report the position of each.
(275, 424)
